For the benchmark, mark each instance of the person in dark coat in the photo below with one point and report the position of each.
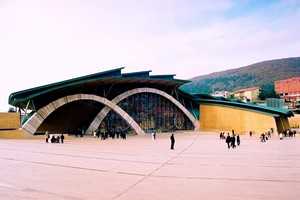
(172, 141)
(233, 141)
(52, 139)
(238, 140)
(154, 134)
(228, 140)
(62, 137)
(57, 139)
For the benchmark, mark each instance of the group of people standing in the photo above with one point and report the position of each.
(289, 133)
(54, 138)
(231, 140)
(285, 133)
(265, 136)
(103, 134)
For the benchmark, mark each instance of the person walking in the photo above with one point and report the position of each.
(95, 133)
(228, 140)
(62, 137)
(47, 136)
(238, 140)
(172, 141)
(154, 134)
(233, 141)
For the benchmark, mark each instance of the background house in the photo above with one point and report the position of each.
(220, 94)
(247, 94)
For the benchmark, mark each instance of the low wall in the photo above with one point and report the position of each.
(9, 121)
(22, 134)
(17, 134)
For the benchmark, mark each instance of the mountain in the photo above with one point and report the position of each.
(262, 74)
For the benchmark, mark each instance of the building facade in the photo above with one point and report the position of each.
(288, 89)
(136, 103)
(247, 94)
(118, 102)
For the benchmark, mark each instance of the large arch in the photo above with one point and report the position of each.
(99, 118)
(38, 117)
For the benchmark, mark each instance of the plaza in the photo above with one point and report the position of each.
(200, 167)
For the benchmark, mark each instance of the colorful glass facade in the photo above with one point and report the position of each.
(151, 112)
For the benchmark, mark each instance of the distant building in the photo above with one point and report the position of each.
(247, 94)
(288, 89)
(220, 94)
(275, 103)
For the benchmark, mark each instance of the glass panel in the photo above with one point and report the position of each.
(150, 111)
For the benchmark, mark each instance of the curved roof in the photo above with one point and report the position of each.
(101, 83)
(89, 84)
(235, 103)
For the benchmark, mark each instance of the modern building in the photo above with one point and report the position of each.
(136, 103)
(247, 94)
(288, 89)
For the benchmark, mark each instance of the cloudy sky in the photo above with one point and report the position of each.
(45, 41)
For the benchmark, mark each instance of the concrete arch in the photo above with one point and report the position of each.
(37, 118)
(99, 118)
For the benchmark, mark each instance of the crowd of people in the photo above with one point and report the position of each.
(231, 139)
(286, 133)
(289, 133)
(265, 136)
(54, 138)
(104, 134)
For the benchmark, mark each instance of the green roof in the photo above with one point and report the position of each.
(44, 94)
(24, 95)
(235, 103)
(21, 98)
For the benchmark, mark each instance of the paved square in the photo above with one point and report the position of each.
(200, 167)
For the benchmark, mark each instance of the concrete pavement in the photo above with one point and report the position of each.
(200, 167)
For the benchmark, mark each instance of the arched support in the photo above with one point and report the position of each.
(99, 118)
(37, 118)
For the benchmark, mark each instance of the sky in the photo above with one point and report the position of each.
(46, 41)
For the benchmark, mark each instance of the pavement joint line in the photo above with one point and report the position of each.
(158, 168)
(72, 167)
(96, 158)
(227, 179)
(82, 150)
(177, 155)
(8, 186)
(239, 165)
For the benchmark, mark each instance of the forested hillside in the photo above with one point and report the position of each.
(262, 74)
